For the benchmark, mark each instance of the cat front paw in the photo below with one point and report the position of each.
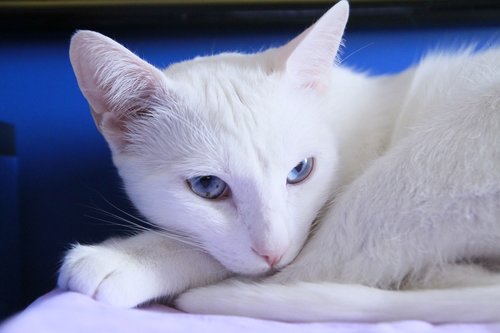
(107, 275)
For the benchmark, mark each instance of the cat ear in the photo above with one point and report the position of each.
(119, 86)
(310, 56)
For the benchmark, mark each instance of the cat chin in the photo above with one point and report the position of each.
(256, 269)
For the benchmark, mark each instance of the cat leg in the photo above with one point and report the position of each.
(326, 301)
(460, 275)
(126, 272)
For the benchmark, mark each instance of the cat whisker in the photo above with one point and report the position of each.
(124, 212)
(138, 228)
(138, 225)
(132, 230)
(128, 222)
(129, 215)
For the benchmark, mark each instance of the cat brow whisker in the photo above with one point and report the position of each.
(341, 61)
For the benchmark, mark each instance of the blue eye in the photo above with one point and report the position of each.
(208, 187)
(301, 171)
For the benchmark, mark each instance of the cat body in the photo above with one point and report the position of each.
(342, 196)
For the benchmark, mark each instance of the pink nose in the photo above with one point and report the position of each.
(271, 258)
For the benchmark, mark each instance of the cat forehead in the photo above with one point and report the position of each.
(224, 78)
(232, 92)
(238, 106)
(222, 63)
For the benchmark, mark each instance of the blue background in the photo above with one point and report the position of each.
(64, 164)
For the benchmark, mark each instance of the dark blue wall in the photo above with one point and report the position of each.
(64, 164)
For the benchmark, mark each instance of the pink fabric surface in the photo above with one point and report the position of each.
(65, 312)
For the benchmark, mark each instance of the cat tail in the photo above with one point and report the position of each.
(306, 302)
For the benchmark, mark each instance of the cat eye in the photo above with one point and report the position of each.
(301, 171)
(208, 187)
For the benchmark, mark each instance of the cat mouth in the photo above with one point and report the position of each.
(263, 275)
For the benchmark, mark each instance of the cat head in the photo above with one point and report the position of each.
(234, 151)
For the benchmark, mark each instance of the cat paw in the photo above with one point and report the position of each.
(107, 275)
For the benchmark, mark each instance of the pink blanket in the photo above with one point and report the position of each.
(64, 312)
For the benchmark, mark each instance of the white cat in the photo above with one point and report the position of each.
(333, 195)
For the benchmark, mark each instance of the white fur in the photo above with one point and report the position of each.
(128, 272)
(405, 189)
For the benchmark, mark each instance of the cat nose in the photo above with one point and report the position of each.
(271, 258)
